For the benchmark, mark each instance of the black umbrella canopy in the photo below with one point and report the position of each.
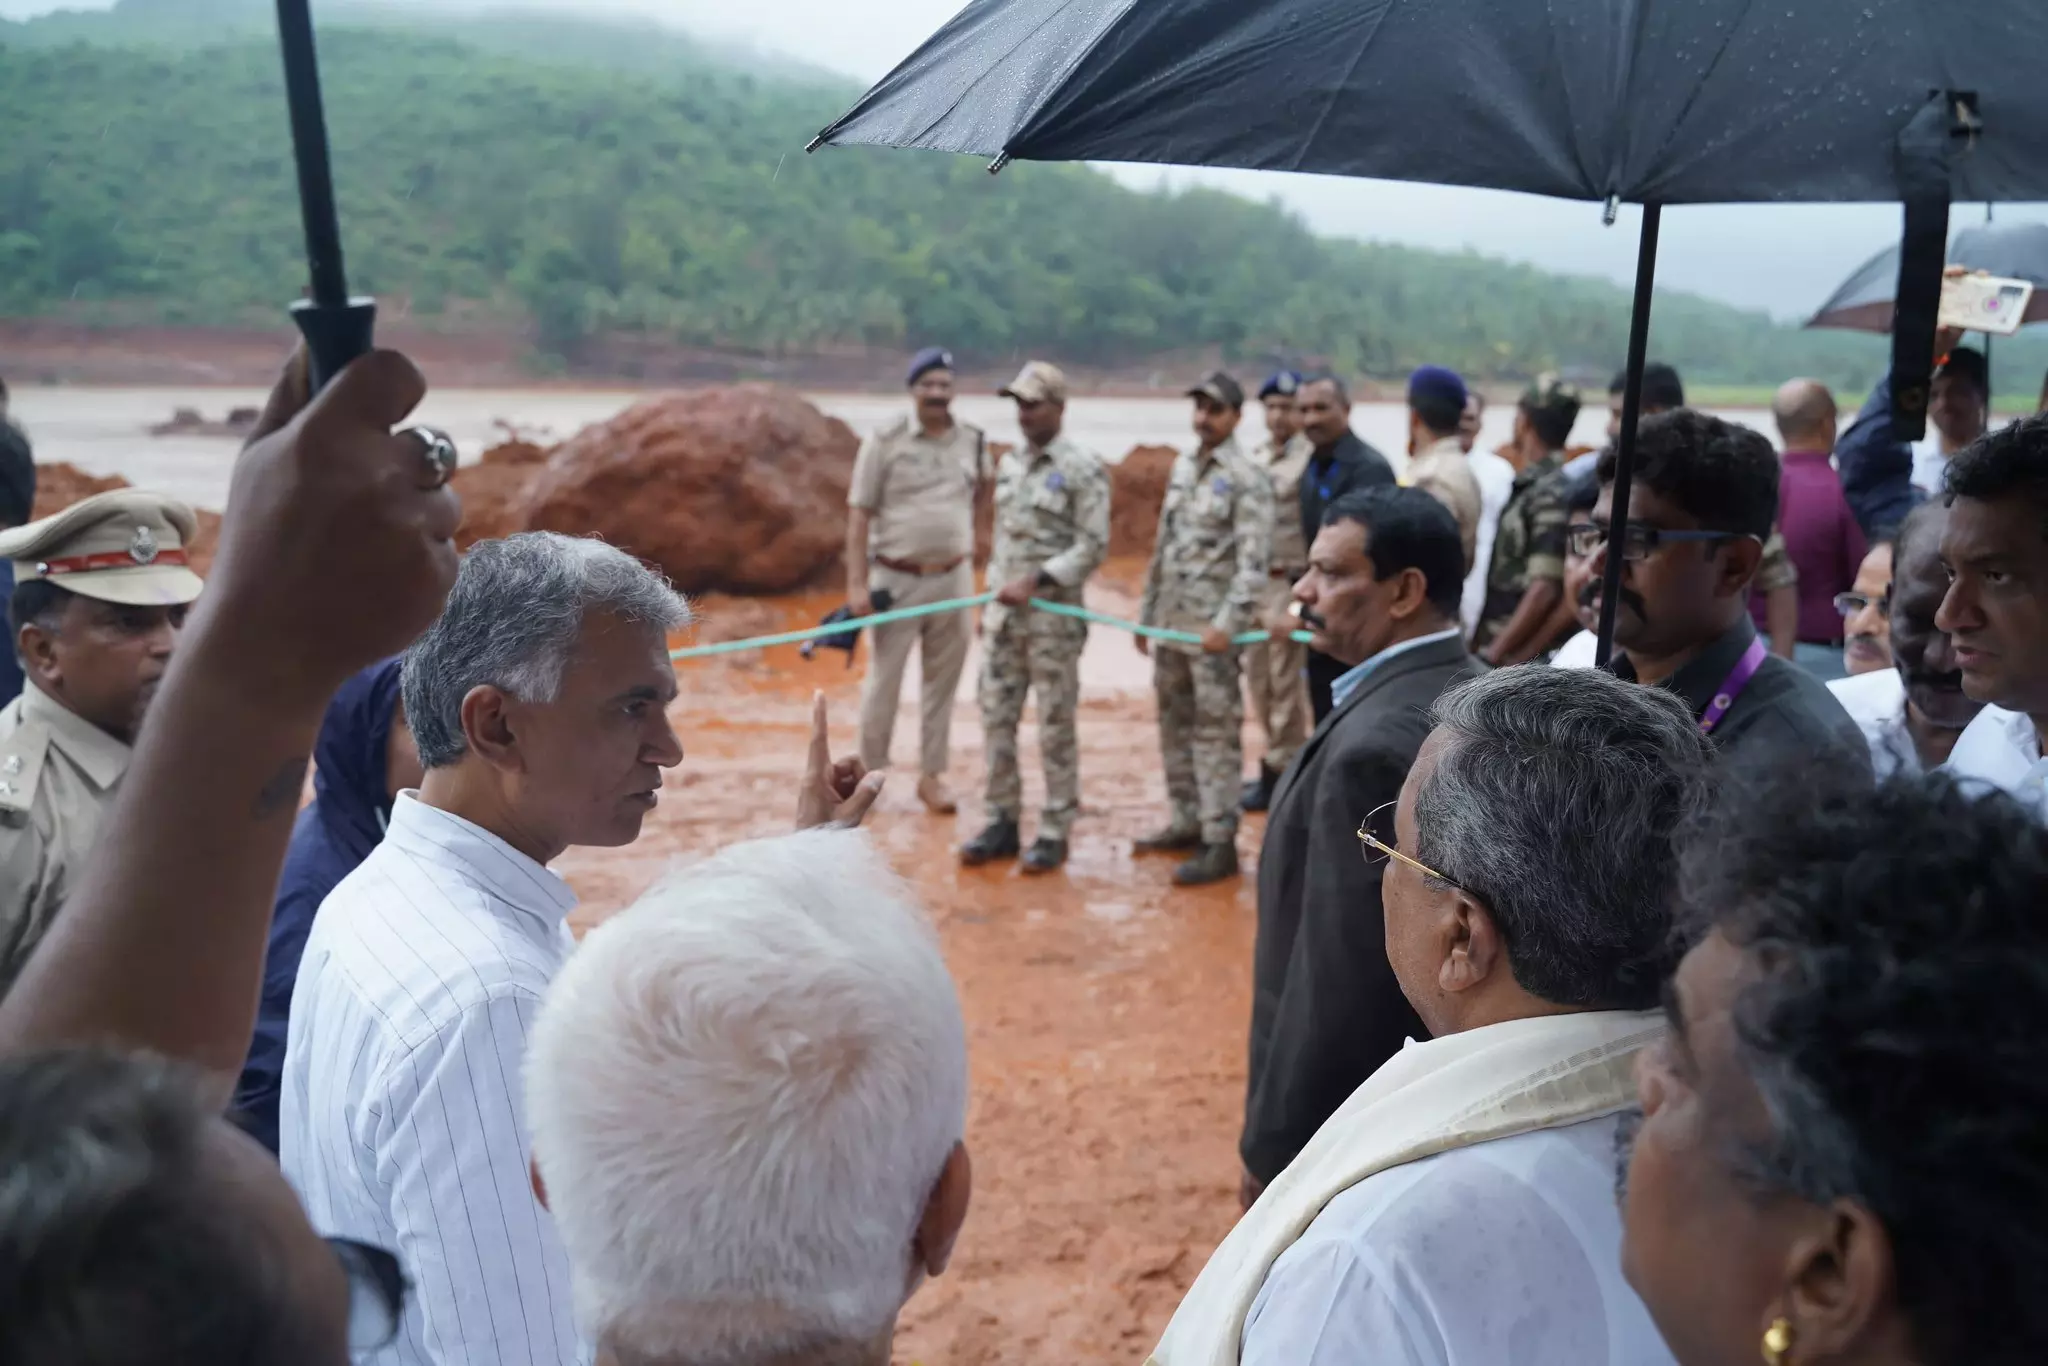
(2017, 251)
(1648, 101)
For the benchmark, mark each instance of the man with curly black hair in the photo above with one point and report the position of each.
(1840, 1151)
(1995, 548)
(1704, 501)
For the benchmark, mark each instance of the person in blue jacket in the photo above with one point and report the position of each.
(362, 761)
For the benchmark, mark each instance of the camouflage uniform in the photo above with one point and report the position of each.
(1775, 570)
(1208, 569)
(1273, 670)
(1052, 515)
(1528, 547)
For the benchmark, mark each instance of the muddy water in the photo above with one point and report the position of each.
(1106, 1010)
(105, 430)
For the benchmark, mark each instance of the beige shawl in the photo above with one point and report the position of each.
(1454, 1092)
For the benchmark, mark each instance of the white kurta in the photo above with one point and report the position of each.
(2002, 748)
(1508, 1251)
(1876, 702)
(403, 1120)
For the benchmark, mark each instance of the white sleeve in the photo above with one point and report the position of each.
(490, 1279)
(1329, 1303)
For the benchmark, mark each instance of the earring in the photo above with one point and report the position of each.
(1777, 1342)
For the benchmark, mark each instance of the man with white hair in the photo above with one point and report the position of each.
(748, 1093)
(538, 704)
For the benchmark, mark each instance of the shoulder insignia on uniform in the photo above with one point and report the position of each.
(21, 768)
(1221, 485)
(1055, 481)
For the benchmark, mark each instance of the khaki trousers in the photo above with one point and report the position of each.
(942, 648)
(1279, 688)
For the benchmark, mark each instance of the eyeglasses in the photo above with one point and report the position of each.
(377, 1292)
(1639, 542)
(1849, 604)
(1377, 851)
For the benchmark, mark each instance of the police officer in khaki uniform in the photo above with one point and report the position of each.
(100, 593)
(1273, 670)
(1207, 573)
(910, 536)
(1051, 532)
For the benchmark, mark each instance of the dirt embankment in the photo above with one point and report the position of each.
(739, 489)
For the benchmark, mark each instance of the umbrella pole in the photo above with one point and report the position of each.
(1631, 412)
(336, 327)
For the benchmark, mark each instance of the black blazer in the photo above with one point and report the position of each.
(1326, 1010)
(1355, 465)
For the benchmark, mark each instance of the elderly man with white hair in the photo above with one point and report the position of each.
(748, 1093)
(538, 702)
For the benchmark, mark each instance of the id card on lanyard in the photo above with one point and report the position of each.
(1732, 686)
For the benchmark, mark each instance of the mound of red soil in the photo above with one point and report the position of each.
(1137, 490)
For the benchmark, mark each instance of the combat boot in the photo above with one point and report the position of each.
(1258, 793)
(1044, 855)
(1173, 839)
(1215, 863)
(999, 840)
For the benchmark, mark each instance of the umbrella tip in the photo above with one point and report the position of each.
(995, 167)
(815, 143)
(1610, 211)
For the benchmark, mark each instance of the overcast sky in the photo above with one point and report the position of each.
(1783, 259)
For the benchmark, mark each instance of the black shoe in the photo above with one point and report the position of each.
(1215, 863)
(1173, 839)
(1258, 793)
(1044, 855)
(999, 840)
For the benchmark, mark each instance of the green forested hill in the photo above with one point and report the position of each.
(578, 179)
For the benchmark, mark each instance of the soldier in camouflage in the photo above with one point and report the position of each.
(1525, 582)
(1273, 670)
(1207, 574)
(1051, 532)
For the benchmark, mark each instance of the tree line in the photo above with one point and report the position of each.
(575, 180)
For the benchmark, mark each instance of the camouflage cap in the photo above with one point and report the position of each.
(1037, 382)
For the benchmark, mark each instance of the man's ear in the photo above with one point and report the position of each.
(540, 1186)
(1469, 943)
(1740, 559)
(1411, 594)
(487, 729)
(944, 1212)
(37, 645)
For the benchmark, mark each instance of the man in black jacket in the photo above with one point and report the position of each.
(1342, 461)
(1381, 594)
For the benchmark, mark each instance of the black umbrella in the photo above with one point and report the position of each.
(1645, 101)
(337, 327)
(2017, 251)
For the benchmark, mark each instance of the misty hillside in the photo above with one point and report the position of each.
(574, 178)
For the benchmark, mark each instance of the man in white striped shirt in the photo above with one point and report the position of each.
(538, 701)
(538, 704)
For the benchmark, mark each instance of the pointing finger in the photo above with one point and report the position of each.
(818, 765)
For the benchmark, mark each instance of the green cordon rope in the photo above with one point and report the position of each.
(1058, 609)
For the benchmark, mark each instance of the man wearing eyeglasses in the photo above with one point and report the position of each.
(1703, 503)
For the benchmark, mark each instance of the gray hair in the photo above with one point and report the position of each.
(1556, 801)
(512, 621)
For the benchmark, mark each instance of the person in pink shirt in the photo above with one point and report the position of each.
(1821, 534)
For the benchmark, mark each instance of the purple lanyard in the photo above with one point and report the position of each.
(1732, 686)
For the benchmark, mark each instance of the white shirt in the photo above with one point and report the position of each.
(1577, 653)
(1876, 702)
(1930, 463)
(403, 1116)
(1503, 1252)
(2003, 749)
(1496, 479)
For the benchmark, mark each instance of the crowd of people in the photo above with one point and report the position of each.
(1686, 1010)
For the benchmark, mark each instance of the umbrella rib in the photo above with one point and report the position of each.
(1351, 69)
(1700, 85)
(1052, 87)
